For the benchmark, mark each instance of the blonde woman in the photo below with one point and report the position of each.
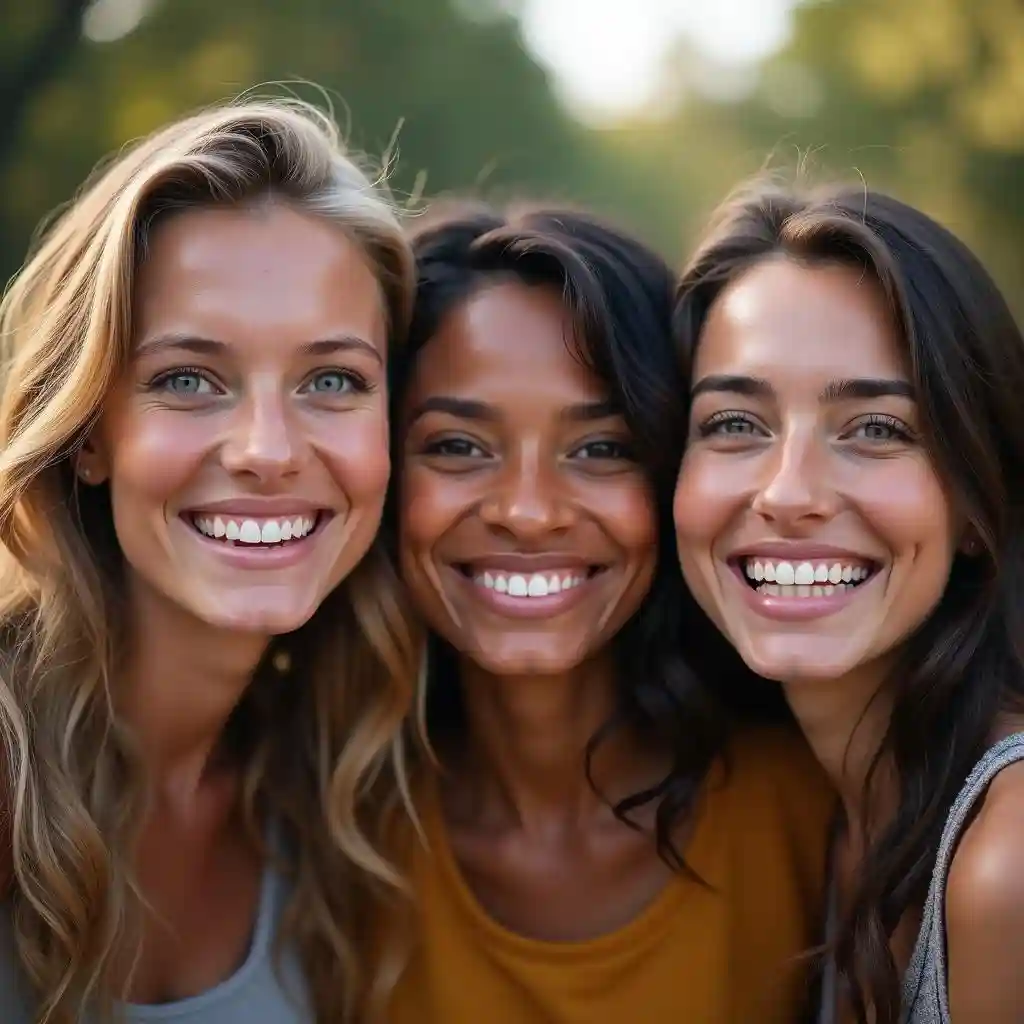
(205, 663)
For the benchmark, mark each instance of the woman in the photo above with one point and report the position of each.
(588, 858)
(849, 515)
(205, 664)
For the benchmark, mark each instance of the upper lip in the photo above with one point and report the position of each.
(798, 551)
(259, 507)
(528, 563)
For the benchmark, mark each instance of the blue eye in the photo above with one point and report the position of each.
(184, 383)
(882, 428)
(331, 382)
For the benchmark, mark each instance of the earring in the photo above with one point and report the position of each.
(85, 473)
(281, 660)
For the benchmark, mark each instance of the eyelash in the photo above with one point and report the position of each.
(715, 423)
(900, 430)
(358, 382)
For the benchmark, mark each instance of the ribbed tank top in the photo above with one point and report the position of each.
(264, 990)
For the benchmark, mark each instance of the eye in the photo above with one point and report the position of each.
(605, 450)
(184, 382)
(455, 447)
(729, 424)
(336, 382)
(880, 429)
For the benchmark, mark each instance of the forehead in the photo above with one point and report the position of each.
(256, 270)
(509, 343)
(784, 320)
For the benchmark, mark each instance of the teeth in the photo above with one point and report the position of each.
(254, 531)
(538, 584)
(803, 579)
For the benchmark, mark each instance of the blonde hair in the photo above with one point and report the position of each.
(324, 759)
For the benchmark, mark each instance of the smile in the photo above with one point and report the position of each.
(537, 584)
(802, 579)
(801, 589)
(543, 592)
(256, 531)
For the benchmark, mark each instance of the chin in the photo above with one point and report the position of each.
(796, 666)
(260, 619)
(528, 663)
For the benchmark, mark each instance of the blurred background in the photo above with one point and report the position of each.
(650, 110)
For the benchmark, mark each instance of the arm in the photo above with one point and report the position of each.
(985, 910)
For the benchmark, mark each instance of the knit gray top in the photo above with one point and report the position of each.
(925, 992)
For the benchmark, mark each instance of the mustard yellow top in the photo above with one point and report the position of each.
(720, 955)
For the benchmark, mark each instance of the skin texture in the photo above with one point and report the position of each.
(225, 400)
(535, 471)
(784, 463)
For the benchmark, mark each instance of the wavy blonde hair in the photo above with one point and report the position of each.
(324, 758)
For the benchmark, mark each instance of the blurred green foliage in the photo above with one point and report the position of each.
(923, 97)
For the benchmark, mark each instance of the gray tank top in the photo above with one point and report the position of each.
(264, 990)
(925, 994)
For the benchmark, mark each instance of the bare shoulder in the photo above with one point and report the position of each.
(985, 907)
(988, 868)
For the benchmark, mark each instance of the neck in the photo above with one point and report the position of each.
(526, 745)
(182, 679)
(844, 721)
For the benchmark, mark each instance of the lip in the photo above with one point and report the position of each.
(797, 609)
(528, 607)
(255, 556)
(267, 508)
(527, 563)
(797, 551)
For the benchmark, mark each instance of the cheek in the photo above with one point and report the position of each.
(629, 515)
(357, 455)
(701, 503)
(153, 457)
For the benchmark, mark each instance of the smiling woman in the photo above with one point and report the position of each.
(589, 857)
(848, 513)
(204, 658)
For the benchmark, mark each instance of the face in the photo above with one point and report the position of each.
(246, 447)
(528, 532)
(812, 526)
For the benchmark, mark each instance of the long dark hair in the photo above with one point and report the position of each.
(619, 294)
(965, 664)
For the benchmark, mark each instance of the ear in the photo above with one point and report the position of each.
(91, 462)
(970, 543)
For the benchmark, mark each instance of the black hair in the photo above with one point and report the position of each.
(619, 294)
(965, 664)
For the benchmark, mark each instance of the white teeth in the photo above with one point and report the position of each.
(253, 531)
(803, 579)
(534, 585)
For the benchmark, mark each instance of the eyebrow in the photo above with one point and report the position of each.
(471, 409)
(210, 347)
(835, 391)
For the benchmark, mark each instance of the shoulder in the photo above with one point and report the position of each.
(985, 907)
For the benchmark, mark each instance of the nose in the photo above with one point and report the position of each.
(264, 441)
(796, 487)
(527, 500)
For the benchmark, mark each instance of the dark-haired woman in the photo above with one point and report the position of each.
(849, 514)
(591, 860)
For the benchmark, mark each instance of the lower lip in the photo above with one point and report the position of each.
(797, 609)
(528, 607)
(257, 556)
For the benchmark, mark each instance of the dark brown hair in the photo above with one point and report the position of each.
(964, 664)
